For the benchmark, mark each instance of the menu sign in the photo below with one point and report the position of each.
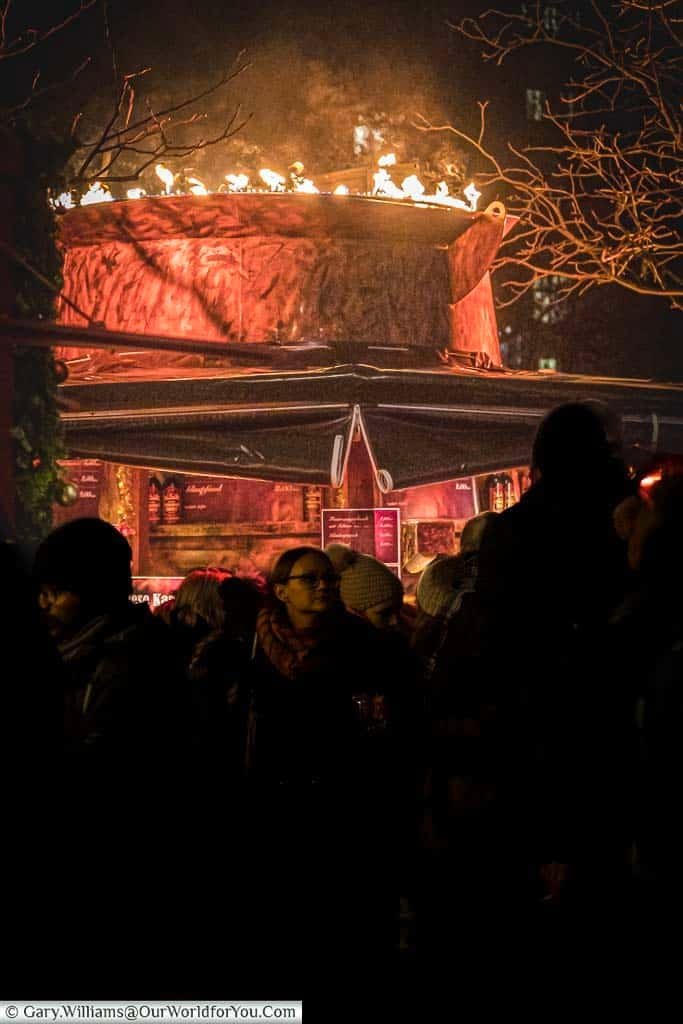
(387, 535)
(461, 493)
(205, 499)
(211, 499)
(372, 531)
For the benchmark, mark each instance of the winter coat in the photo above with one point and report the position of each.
(337, 719)
(551, 571)
(661, 771)
(646, 653)
(122, 690)
(129, 804)
(219, 674)
(551, 563)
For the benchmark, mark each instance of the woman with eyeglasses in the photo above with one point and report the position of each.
(311, 656)
(319, 791)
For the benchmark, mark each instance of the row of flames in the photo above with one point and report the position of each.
(411, 188)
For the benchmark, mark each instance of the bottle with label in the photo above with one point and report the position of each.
(312, 504)
(509, 489)
(171, 502)
(154, 502)
(525, 480)
(496, 492)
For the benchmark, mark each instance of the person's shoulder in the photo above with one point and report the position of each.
(524, 520)
(218, 654)
(137, 633)
(503, 530)
(140, 620)
(353, 627)
(355, 636)
(361, 636)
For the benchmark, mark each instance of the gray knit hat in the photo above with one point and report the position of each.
(365, 582)
(440, 582)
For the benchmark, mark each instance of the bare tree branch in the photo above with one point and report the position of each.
(12, 102)
(122, 135)
(33, 37)
(3, 22)
(110, 43)
(35, 93)
(166, 149)
(123, 101)
(237, 68)
(600, 201)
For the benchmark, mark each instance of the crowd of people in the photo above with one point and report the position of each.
(331, 772)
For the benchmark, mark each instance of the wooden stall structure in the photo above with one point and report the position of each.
(296, 352)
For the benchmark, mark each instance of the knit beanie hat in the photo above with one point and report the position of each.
(365, 582)
(89, 557)
(440, 582)
(474, 530)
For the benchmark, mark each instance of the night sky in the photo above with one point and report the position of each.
(397, 52)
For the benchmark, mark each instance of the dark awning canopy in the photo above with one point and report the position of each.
(296, 445)
(420, 427)
(414, 446)
(411, 448)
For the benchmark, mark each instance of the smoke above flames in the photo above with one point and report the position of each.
(330, 108)
(332, 115)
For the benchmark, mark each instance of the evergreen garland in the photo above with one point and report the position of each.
(36, 432)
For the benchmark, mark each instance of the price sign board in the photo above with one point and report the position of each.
(372, 531)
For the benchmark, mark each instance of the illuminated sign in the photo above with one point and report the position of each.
(154, 590)
(372, 531)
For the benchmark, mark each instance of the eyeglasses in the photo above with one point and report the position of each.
(314, 579)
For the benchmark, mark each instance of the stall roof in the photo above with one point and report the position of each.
(420, 426)
(301, 444)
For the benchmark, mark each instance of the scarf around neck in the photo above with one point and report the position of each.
(285, 647)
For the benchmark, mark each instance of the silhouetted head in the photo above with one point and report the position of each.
(570, 443)
(198, 603)
(82, 570)
(473, 532)
(612, 424)
(440, 582)
(242, 600)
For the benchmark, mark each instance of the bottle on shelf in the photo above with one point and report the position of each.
(509, 489)
(312, 504)
(496, 493)
(154, 502)
(171, 502)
